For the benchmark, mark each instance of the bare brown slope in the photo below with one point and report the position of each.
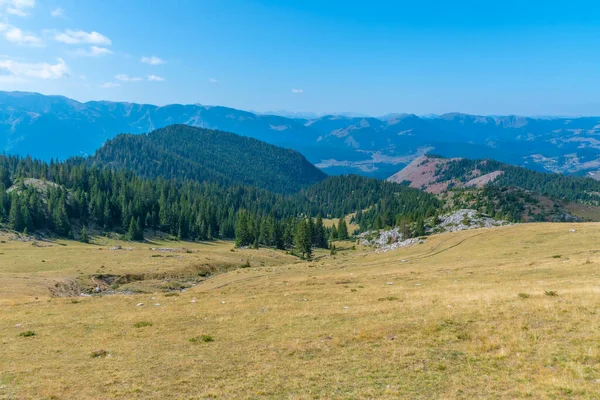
(424, 173)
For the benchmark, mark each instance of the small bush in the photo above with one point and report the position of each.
(27, 334)
(246, 264)
(557, 256)
(171, 294)
(202, 338)
(524, 295)
(99, 353)
(389, 298)
(552, 293)
(142, 324)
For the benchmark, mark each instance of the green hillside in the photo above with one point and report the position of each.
(188, 153)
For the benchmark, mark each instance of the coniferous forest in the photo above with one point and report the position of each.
(72, 198)
(198, 184)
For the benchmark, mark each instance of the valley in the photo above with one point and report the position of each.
(418, 218)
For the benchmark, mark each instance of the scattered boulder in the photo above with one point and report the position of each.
(466, 219)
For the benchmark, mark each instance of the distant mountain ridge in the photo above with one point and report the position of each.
(188, 153)
(57, 127)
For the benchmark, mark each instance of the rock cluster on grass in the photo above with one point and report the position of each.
(392, 239)
(465, 219)
(386, 240)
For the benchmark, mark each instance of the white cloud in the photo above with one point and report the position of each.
(57, 12)
(94, 51)
(127, 78)
(108, 85)
(17, 36)
(37, 71)
(17, 7)
(77, 37)
(154, 78)
(152, 60)
(213, 80)
(297, 91)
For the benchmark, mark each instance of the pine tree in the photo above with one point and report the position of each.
(420, 228)
(311, 230)
(332, 250)
(242, 234)
(342, 229)
(333, 234)
(5, 178)
(319, 239)
(84, 235)
(135, 232)
(15, 218)
(302, 240)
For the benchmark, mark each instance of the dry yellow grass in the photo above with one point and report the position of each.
(447, 322)
(352, 227)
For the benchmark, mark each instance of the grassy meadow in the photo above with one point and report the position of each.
(508, 312)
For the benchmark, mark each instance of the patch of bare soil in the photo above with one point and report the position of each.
(421, 173)
(483, 180)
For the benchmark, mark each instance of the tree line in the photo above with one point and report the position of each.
(68, 198)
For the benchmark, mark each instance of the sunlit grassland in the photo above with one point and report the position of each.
(510, 312)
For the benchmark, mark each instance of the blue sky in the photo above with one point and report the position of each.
(482, 57)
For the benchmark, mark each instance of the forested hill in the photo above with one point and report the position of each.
(67, 197)
(188, 153)
(436, 174)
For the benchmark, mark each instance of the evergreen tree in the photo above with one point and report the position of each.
(15, 217)
(135, 232)
(333, 234)
(342, 229)
(310, 225)
(84, 235)
(242, 233)
(332, 250)
(302, 240)
(319, 238)
(5, 178)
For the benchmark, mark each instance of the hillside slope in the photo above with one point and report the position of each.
(504, 313)
(518, 193)
(185, 152)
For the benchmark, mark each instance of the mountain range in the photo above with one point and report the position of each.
(57, 127)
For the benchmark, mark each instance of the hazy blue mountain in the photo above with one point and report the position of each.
(57, 127)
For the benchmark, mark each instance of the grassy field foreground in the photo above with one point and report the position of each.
(511, 312)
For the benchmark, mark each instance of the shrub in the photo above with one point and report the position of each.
(552, 293)
(246, 264)
(523, 295)
(99, 353)
(202, 338)
(27, 334)
(142, 324)
(389, 298)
